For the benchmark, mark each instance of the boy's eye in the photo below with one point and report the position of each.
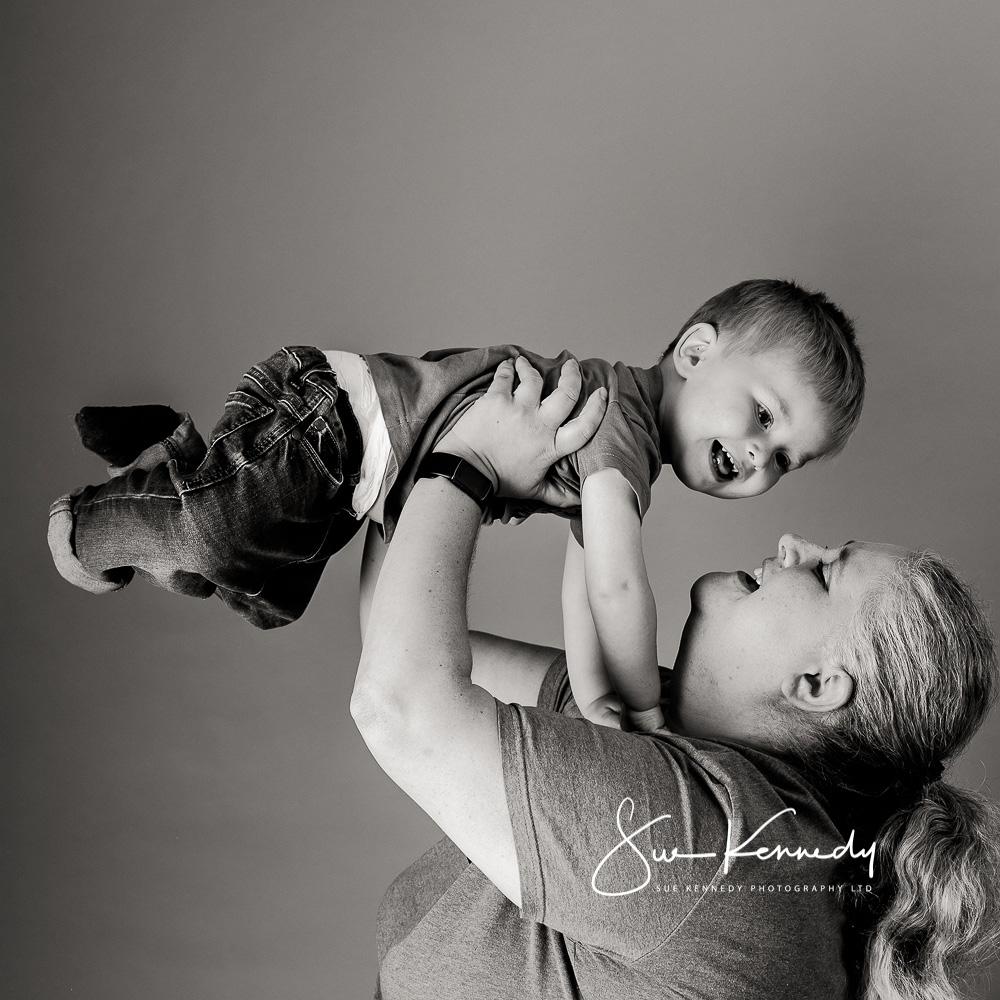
(764, 417)
(783, 462)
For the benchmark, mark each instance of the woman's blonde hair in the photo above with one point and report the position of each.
(922, 655)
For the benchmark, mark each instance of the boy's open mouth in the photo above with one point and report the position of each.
(724, 465)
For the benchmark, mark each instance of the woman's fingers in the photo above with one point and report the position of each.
(529, 388)
(578, 431)
(514, 437)
(559, 403)
(503, 378)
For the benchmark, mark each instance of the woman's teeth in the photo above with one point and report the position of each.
(758, 575)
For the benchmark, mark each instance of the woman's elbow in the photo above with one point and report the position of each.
(394, 730)
(364, 708)
(376, 710)
(388, 712)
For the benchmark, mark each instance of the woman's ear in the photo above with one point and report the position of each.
(695, 344)
(824, 690)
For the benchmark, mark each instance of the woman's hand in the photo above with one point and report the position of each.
(514, 436)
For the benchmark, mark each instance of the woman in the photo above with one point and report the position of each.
(789, 836)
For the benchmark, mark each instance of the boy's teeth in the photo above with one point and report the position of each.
(726, 466)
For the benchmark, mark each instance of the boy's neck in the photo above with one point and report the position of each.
(672, 384)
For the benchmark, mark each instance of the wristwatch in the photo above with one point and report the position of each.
(463, 474)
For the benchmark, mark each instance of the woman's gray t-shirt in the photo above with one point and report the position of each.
(597, 817)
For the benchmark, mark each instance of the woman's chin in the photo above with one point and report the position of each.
(717, 583)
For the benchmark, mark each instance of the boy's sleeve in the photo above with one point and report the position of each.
(589, 806)
(622, 444)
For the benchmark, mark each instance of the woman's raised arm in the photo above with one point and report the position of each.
(511, 670)
(433, 730)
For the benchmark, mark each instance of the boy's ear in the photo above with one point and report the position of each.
(825, 689)
(693, 346)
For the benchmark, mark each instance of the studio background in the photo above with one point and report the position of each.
(188, 810)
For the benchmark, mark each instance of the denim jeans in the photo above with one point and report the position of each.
(252, 518)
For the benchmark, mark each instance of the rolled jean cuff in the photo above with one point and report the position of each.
(60, 537)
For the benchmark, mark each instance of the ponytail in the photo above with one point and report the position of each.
(936, 914)
(922, 655)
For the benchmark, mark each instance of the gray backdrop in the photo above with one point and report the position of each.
(188, 810)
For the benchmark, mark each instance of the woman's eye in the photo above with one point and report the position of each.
(783, 462)
(764, 418)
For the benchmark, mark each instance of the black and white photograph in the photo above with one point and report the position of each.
(380, 619)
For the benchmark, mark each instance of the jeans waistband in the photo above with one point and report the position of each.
(298, 379)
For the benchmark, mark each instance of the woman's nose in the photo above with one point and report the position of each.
(793, 549)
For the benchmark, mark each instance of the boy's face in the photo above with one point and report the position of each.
(739, 422)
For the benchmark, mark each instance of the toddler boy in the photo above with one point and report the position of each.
(764, 378)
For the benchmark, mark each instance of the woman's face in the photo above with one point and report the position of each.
(750, 642)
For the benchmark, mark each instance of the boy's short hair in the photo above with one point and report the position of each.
(763, 314)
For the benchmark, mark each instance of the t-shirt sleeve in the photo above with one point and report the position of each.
(596, 814)
(620, 444)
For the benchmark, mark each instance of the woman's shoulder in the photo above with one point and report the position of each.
(746, 786)
(637, 843)
(724, 790)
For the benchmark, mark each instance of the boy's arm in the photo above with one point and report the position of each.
(620, 596)
(592, 688)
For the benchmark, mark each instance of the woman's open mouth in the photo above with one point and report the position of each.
(748, 581)
(725, 467)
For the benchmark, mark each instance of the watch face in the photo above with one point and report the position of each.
(473, 482)
(464, 475)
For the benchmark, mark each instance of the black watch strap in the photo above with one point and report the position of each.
(463, 474)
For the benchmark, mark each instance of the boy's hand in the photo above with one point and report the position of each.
(605, 711)
(514, 436)
(648, 720)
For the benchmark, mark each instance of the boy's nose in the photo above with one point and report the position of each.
(758, 454)
(793, 550)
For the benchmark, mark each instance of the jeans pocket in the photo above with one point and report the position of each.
(241, 409)
(249, 426)
(323, 441)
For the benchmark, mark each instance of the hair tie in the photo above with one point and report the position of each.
(935, 772)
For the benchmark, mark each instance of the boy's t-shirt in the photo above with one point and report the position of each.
(595, 814)
(423, 397)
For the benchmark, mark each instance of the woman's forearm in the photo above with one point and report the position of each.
(417, 643)
(433, 731)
